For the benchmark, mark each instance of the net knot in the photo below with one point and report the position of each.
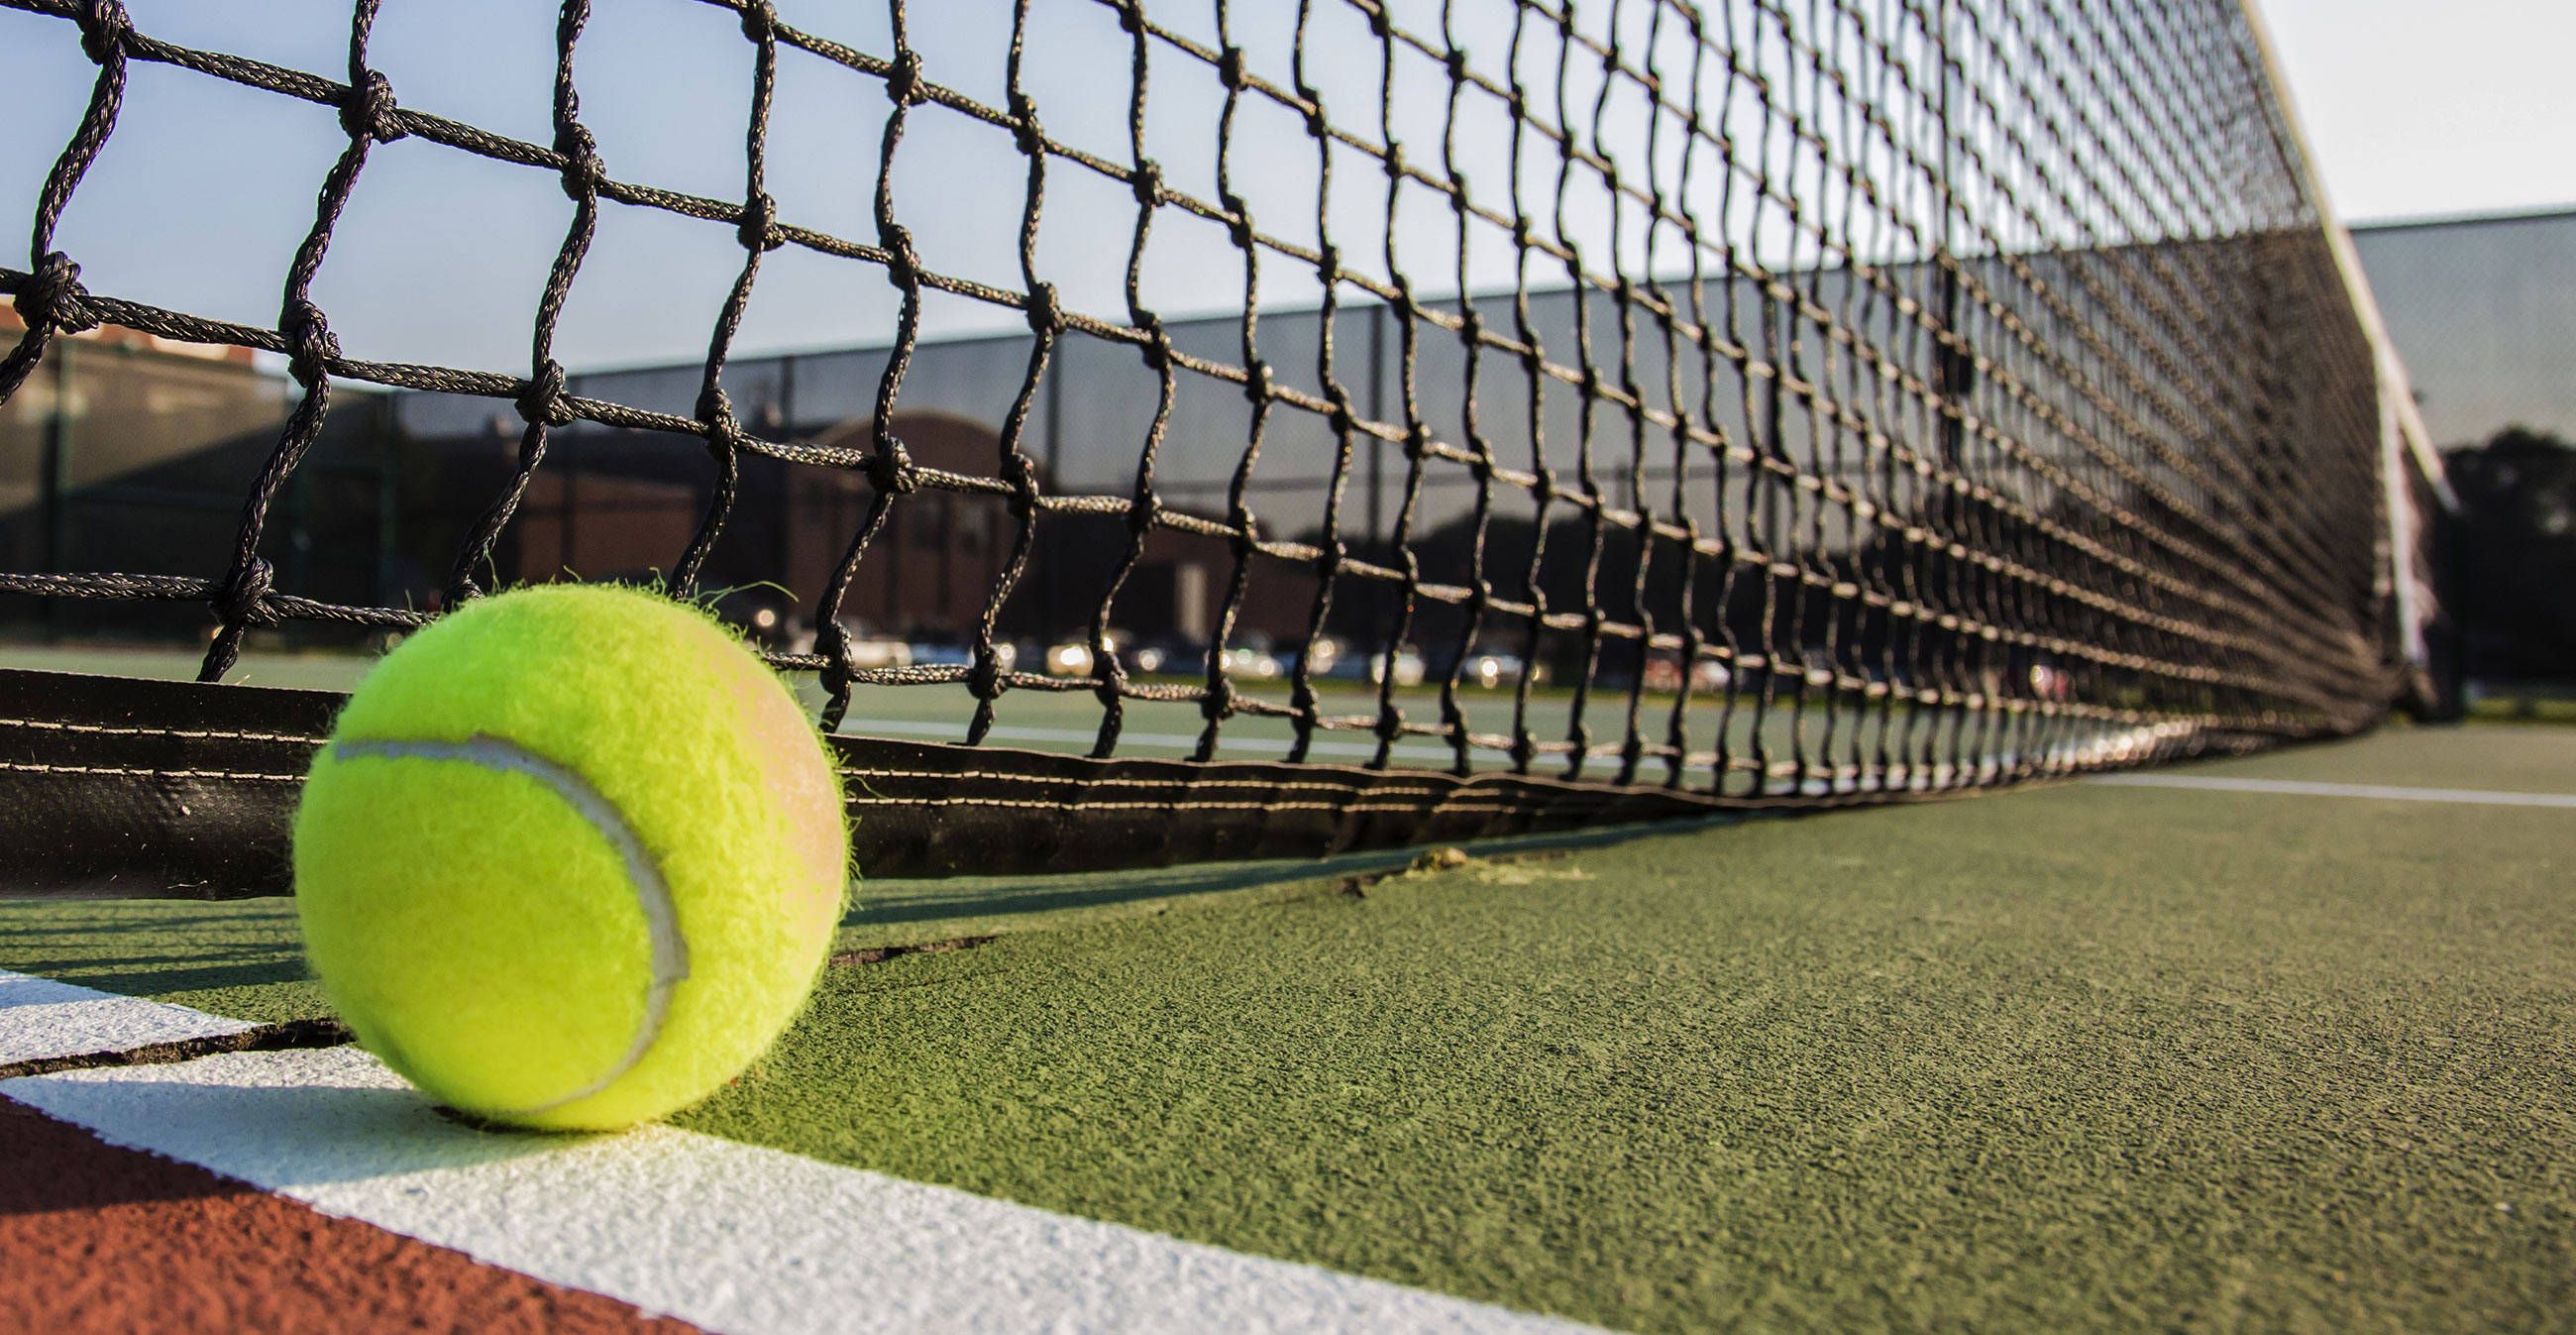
(1157, 348)
(54, 297)
(1390, 720)
(760, 21)
(1144, 512)
(582, 169)
(1025, 127)
(902, 262)
(368, 110)
(840, 660)
(892, 471)
(1457, 62)
(541, 397)
(1343, 418)
(903, 78)
(1238, 218)
(1218, 704)
(243, 600)
(1147, 182)
(715, 414)
(311, 347)
(984, 675)
(1394, 159)
(759, 229)
(1046, 313)
(1257, 382)
(1020, 473)
(1229, 68)
(105, 28)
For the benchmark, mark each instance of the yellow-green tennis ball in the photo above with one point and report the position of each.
(572, 858)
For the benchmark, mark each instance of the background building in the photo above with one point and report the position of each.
(131, 455)
(2484, 312)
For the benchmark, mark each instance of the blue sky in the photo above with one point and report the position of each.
(2419, 108)
(206, 188)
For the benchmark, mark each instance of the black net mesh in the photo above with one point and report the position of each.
(1794, 399)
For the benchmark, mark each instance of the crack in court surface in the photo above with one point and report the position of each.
(290, 1036)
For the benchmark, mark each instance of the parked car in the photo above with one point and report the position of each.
(1368, 664)
(1407, 666)
(945, 651)
(1253, 660)
(876, 651)
(1494, 670)
(1072, 657)
(867, 649)
(1665, 674)
(1169, 654)
(1323, 653)
(1068, 658)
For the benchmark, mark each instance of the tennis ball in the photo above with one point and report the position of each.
(571, 859)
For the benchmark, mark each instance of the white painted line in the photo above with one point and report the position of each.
(41, 1018)
(729, 1236)
(2298, 788)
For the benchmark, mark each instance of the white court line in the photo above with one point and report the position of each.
(729, 1236)
(41, 1018)
(2299, 788)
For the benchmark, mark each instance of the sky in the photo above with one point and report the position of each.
(205, 189)
(2417, 108)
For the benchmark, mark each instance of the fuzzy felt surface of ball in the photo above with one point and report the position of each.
(571, 859)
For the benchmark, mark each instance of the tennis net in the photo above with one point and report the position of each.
(1614, 406)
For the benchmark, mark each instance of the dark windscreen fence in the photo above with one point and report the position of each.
(1764, 401)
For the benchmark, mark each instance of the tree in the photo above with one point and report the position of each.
(2515, 582)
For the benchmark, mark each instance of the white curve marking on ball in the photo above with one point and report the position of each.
(643, 875)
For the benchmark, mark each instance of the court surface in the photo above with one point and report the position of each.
(2287, 1046)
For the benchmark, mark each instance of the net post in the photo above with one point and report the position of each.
(2405, 443)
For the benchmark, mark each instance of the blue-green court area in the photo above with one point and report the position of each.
(2257, 1053)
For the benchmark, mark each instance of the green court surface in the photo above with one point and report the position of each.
(2076, 1056)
